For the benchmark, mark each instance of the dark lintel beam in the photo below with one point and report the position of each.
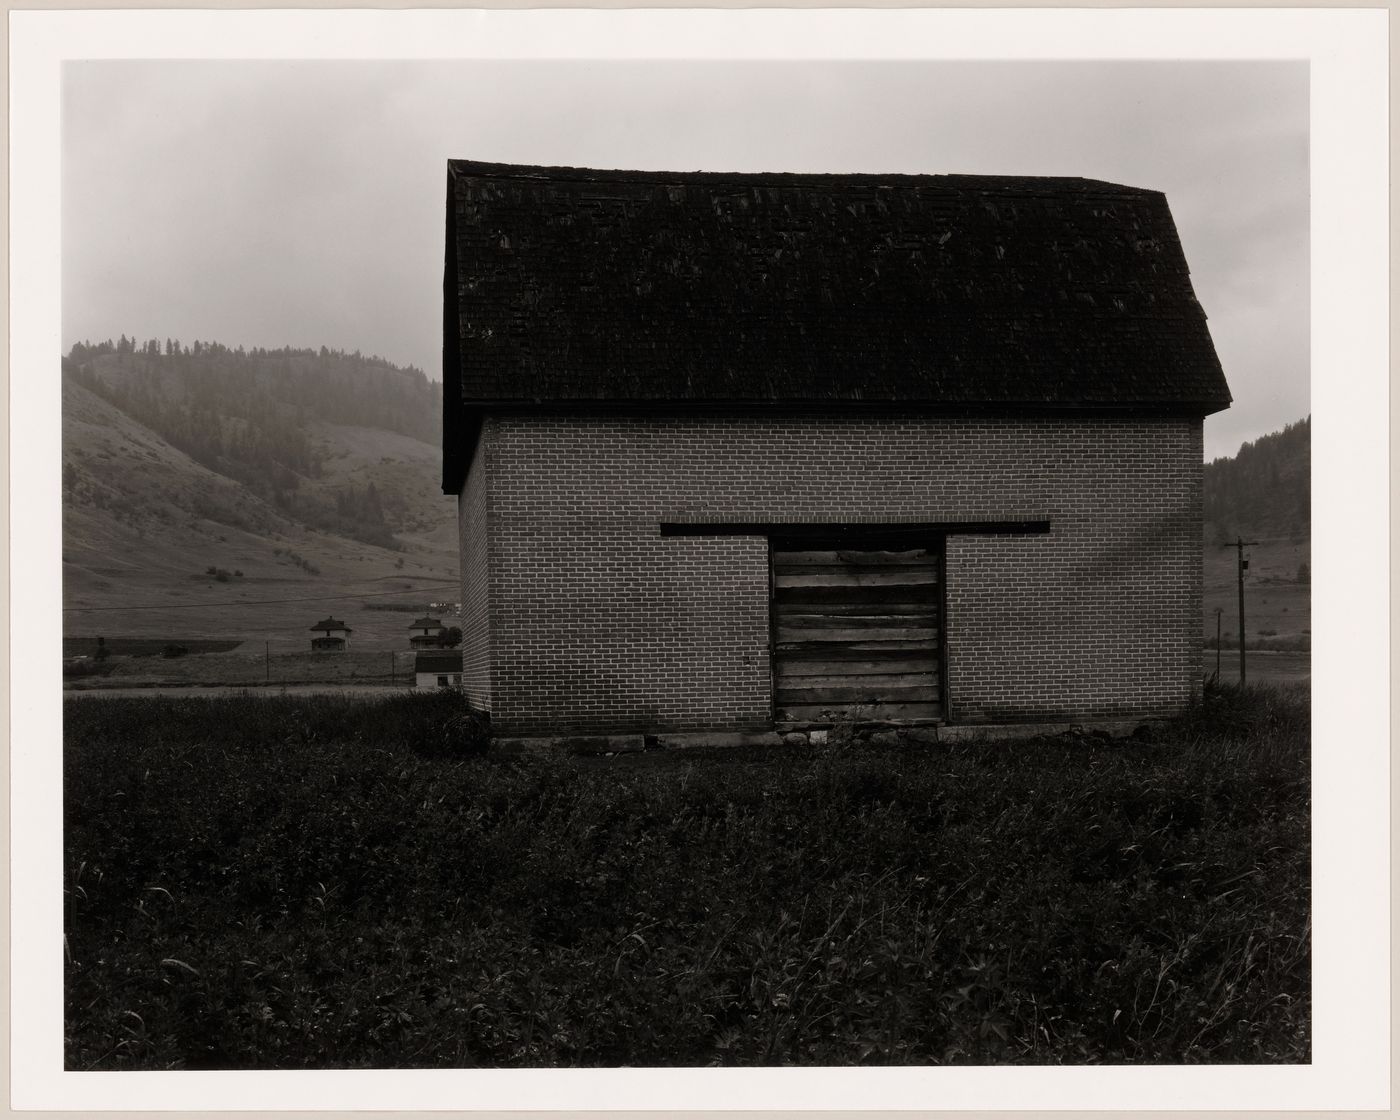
(865, 531)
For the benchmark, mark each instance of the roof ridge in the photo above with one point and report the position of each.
(488, 170)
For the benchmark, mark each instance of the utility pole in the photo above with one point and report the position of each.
(1218, 612)
(1241, 565)
(391, 668)
(267, 662)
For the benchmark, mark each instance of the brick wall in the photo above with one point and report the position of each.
(599, 623)
(472, 525)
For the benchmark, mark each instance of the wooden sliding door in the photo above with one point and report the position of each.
(858, 632)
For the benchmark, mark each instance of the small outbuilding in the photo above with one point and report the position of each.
(740, 452)
(438, 670)
(425, 632)
(332, 636)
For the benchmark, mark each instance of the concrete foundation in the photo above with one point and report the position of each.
(926, 736)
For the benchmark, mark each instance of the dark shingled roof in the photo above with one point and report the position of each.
(438, 662)
(425, 622)
(571, 287)
(329, 624)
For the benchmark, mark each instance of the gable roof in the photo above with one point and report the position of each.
(425, 622)
(570, 287)
(330, 624)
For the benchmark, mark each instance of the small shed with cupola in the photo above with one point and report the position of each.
(330, 635)
(425, 633)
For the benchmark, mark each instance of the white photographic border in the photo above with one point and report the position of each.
(1347, 53)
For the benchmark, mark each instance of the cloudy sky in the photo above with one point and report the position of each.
(270, 203)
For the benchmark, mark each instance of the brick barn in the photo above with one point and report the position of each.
(738, 452)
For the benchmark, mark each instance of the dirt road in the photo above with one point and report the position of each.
(240, 690)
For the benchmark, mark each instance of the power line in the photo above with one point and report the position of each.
(262, 602)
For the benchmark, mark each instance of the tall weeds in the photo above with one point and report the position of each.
(316, 883)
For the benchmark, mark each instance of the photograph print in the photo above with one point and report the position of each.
(685, 564)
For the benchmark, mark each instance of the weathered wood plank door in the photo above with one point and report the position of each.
(857, 633)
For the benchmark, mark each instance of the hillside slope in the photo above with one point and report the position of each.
(1264, 490)
(210, 549)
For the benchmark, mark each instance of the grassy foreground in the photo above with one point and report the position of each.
(319, 882)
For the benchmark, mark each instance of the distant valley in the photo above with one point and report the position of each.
(208, 486)
(239, 496)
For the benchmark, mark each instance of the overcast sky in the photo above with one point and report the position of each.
(302, 203)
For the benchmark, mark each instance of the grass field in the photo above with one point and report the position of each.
(141, 647)
(321, 882)
(355, 667)
(1278, 607)
(1278, 613)
(1266, 667)
(133, 665)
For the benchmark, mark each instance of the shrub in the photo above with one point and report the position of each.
(451, 637)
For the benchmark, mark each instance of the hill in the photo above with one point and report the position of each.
(1264, 494)
(254, 417)
(208, 486)
(1264, 490)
